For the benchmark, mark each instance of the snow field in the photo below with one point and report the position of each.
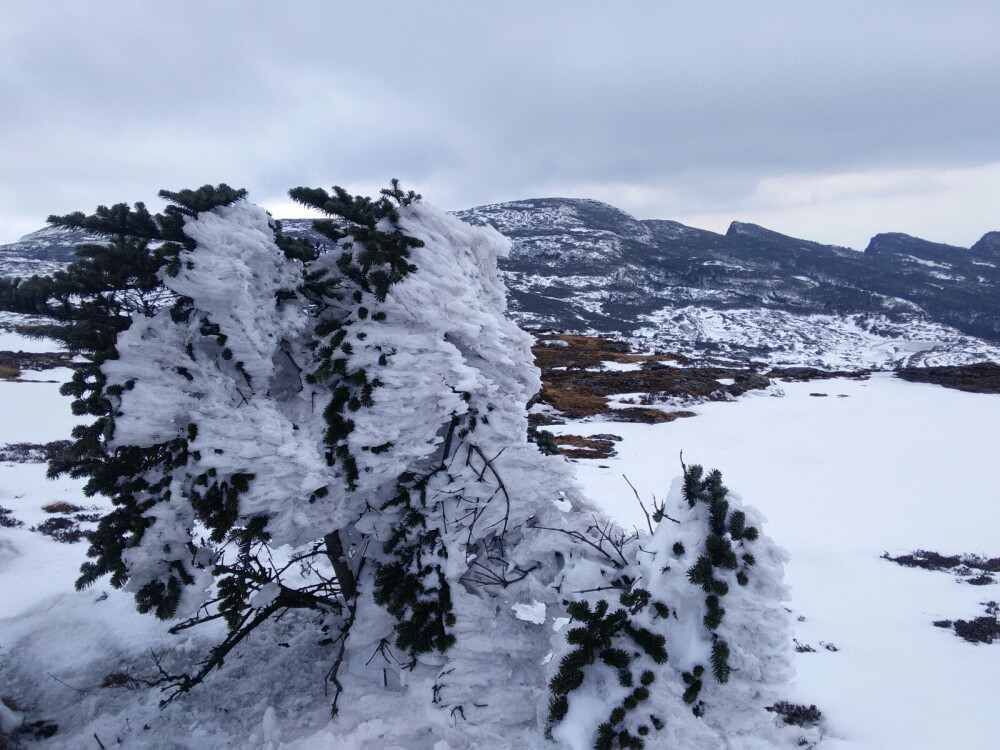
(895, 467)
(892, 466)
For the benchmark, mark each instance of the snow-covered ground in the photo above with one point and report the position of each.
(890, 466)
(872, 466)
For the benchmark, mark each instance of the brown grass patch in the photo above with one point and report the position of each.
(573, 384)
(581, 352)
(62, 507)
(644, 415)
(586, 447)
(14, 364)
(572, 402)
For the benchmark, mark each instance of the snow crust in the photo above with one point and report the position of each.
(533, 612)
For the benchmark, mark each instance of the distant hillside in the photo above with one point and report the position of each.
(750, 293)
(568, 251)
(583, 265)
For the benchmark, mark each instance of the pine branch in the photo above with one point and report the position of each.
(183, 683)
(286, 599)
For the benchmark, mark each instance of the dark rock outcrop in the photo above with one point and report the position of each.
(979, 378)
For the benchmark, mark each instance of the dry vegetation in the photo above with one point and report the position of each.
(26, 453)
(595, 446)
(577, 383)
(14, 364)
(62, 507)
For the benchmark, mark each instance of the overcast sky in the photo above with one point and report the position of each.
(826, 120)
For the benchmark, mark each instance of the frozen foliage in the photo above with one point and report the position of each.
(180, 377)
(700, 648)
(342, 431)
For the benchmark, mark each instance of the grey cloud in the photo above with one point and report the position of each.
(485, 102)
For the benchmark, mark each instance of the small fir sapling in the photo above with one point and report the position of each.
(696, 588)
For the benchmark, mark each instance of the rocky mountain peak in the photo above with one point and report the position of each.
(988, 246)
(557, 215)
(745, 229)
(897, 243)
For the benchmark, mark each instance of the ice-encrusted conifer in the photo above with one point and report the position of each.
(341, 428)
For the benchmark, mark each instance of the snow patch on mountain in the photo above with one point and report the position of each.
(833, 342)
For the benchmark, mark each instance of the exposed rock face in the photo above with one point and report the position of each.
(988, 247)
(896, 243)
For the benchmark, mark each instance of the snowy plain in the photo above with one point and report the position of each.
(872, 466)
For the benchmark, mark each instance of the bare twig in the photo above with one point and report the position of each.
(598, 588)
(183, 683)
(490, 577)
(197, 620)
(599, 546)
(383, 649)
(503, 487)
(331, 676)
(649, 521)
(79, 690)
(663, 514)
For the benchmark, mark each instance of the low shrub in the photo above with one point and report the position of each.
(61, 507)
(7, 520)
(61, 529)
(797, 714)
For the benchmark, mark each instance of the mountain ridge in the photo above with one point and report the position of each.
(584, 265)
(701, 292)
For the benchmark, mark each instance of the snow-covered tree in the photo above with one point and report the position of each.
(341, 428)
